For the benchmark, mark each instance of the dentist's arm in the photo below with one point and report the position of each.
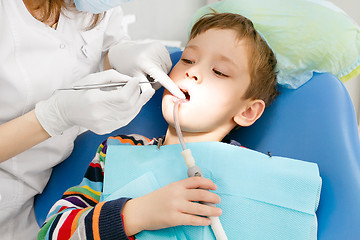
(94, 109)
(99, 111)
(20, 134)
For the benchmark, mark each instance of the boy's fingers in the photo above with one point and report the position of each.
(199, 209)
(202, 195)
(199, 182)
(193, 220)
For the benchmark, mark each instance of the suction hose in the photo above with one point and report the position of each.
(195, 171)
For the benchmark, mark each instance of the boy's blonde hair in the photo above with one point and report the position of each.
(262, 61)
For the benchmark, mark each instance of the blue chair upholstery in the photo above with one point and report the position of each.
(315, 123)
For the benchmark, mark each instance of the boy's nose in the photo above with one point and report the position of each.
(192, 76)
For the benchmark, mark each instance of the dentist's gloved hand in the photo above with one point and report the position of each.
(153, 59)
(97, 110)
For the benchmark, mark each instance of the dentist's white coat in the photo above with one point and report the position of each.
(34, 61)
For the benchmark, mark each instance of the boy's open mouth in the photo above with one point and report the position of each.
(187, 95)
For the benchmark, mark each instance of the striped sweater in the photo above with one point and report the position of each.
(80, 215)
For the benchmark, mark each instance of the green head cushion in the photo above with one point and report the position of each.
(306, 36)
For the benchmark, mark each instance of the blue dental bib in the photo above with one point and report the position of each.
(262, 197)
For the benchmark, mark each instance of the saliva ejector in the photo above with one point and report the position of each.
(195, 171)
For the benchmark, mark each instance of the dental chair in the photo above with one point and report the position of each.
(314, 123)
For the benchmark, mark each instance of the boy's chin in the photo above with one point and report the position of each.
(184, 129)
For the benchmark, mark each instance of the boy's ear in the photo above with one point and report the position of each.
(250, 113)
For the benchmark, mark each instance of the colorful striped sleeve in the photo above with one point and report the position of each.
(79, 214)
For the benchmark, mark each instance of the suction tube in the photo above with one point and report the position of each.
(195, 171)
(177, 125)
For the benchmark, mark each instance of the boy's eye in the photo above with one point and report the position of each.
(187, 61)
(220, 73)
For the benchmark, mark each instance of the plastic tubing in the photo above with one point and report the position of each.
(177, 125)
(190, 162)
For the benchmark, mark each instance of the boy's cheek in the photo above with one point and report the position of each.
(166, 102)
(176, 73)
(166, 92)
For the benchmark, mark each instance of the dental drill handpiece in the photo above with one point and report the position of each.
(195, 171)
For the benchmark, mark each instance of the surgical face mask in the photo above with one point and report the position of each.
(97, 6)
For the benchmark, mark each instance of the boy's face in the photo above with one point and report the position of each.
(213, 73)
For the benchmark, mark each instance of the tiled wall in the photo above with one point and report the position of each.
(162, 19)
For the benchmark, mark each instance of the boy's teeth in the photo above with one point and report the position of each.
(186, 94)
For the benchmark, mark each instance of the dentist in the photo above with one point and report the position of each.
(50, 44)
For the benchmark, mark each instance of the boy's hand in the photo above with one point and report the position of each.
(172, 205)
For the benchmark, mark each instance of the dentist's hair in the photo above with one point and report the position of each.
(50, 8)
(262, 61)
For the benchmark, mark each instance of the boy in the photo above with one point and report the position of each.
(227, 72)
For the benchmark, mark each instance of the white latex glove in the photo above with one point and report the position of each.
(152, 59)
(97, 110)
